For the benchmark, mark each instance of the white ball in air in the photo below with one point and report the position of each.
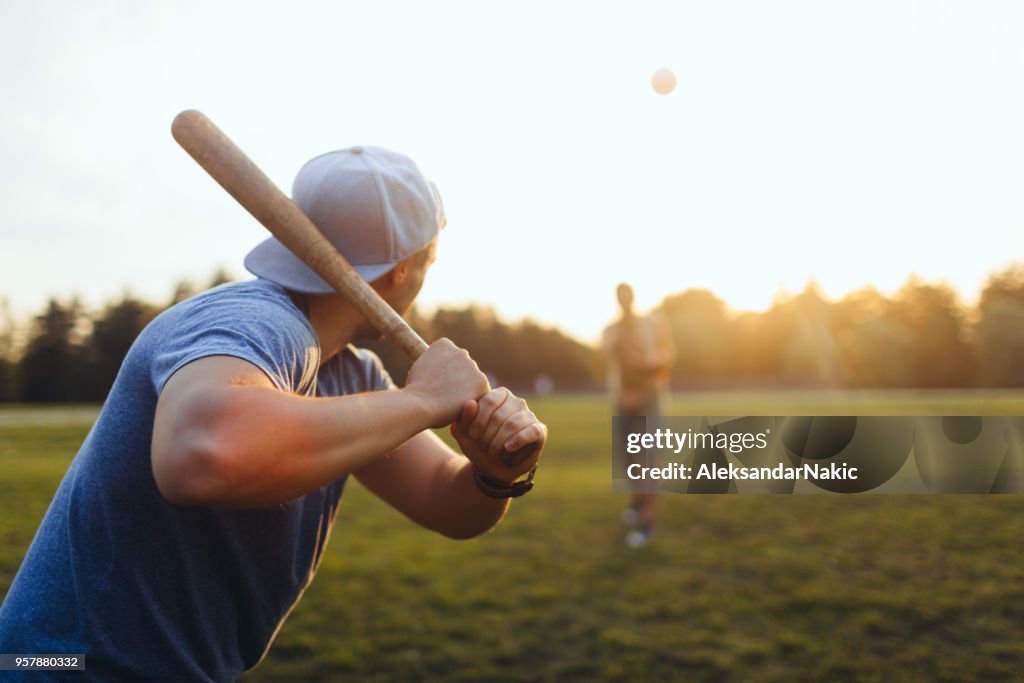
(664, 81)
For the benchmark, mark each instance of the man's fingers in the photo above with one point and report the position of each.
(519, 433)
(510, 426)
(512, 406)
(469, 412)
(533, 434)
(460, 428)
(489, 403)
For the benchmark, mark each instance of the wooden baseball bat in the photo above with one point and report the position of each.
(236, 173)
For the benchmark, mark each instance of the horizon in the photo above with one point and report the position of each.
(23, 322)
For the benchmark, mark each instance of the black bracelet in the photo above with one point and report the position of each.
(494, 488)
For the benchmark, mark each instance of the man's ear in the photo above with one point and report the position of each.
(392, 278)
(399, 273)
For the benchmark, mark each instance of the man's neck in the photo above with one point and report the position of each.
(334, 321)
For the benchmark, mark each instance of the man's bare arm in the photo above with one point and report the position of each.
(225, 436)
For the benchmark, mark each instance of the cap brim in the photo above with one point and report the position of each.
(273, 261)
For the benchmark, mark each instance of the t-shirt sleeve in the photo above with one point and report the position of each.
(380, 378)
(353, 371)
(374, 377)
(264, 333)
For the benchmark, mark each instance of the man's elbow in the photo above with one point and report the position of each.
(467, 529)
(463, 534)
(196, 470)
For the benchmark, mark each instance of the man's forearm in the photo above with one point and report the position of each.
(431, 484)
(463, 511)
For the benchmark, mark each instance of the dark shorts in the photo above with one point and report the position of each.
(645, 458)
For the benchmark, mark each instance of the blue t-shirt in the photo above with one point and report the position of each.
(149, 590)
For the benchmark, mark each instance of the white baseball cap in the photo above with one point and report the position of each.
(373, 204)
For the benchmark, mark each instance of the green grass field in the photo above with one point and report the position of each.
(735, 588)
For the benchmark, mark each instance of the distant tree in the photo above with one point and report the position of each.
(113, 332)
(882, 355)
(8, 359)
(220, 276)
(704, 336)
(999, 335)
(183, 290)
(999, 332)
(1008, 284)
(765, 339)
(546, 351)
(747, 364)
(810, 355)
(873, 349)
(476, 329)
(514, 355)
(942, 356)
(50, 370)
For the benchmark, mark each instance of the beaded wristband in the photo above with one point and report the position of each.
(493, 488)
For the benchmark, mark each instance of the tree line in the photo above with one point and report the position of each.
(921, 337)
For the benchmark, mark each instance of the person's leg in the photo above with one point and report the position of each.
(633, 422)
(644, 507)
(630, 515)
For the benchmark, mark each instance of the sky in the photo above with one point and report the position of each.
(847, 143)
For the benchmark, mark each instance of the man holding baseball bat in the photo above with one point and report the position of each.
(197, 510)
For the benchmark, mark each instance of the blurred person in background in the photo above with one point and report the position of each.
(639, 353)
